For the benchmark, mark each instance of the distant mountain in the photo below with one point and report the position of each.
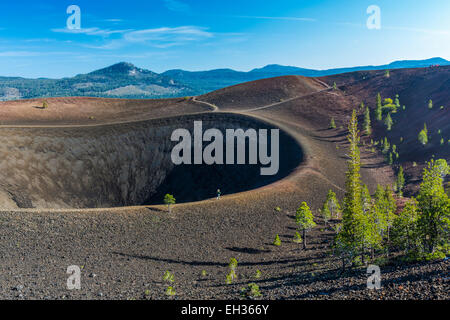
(206, 81)
(124, 80)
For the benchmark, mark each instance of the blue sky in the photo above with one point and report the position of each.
(198, 35)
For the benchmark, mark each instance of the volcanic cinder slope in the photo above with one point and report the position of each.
(82, 162)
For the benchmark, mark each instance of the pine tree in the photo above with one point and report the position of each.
(404, 230)
(388, 121)
(366, 199)
(386, 146)
(389, 212)
(390, 159)
(332, 124)
(397, 102)
(352, 209)
(326, 213)
(400, 181)
(332, 204)
(434, 204)
(305, 220)
(367, 127)
(169, 200)
(379, 108)
(423, 137)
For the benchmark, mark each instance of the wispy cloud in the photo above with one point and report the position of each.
(91, 31)
(163, 37)
(178, 6)
(167, 37)
(275, 18)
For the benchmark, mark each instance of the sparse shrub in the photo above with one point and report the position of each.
(332, 124)
(258, 274)
(170, 291)
(204, 274)
(277, 209)
(169, 200)
(168, 277)
(277, 241)
(297, 237)
(251, 291)
(231, 276)
(45, 104)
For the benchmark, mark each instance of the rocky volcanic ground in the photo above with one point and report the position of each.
(123, 253)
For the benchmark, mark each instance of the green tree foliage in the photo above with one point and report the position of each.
(388, 122)
(326, 213)
(297, 237)
(232, 266)
(423, 137)
(305, 220)
(400, 181)
(332, 205)
(332, 124)
(367, 124)
(386, 146)
(430, 104)
(434, 205)
(169, 200)
(277, 241)
(352, 208)
(379, 108)
(334, 86)
(45, 104)
(397, 102)
(385, 206)
(405, 235)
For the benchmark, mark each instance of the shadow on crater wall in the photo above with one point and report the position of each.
(188, 183)
(122, 165)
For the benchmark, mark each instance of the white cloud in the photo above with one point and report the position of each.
(168, 36)
(90, 31)
(163, 37)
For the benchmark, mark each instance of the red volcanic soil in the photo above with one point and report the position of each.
(88, 111)
(262, 92)
(415, 88)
